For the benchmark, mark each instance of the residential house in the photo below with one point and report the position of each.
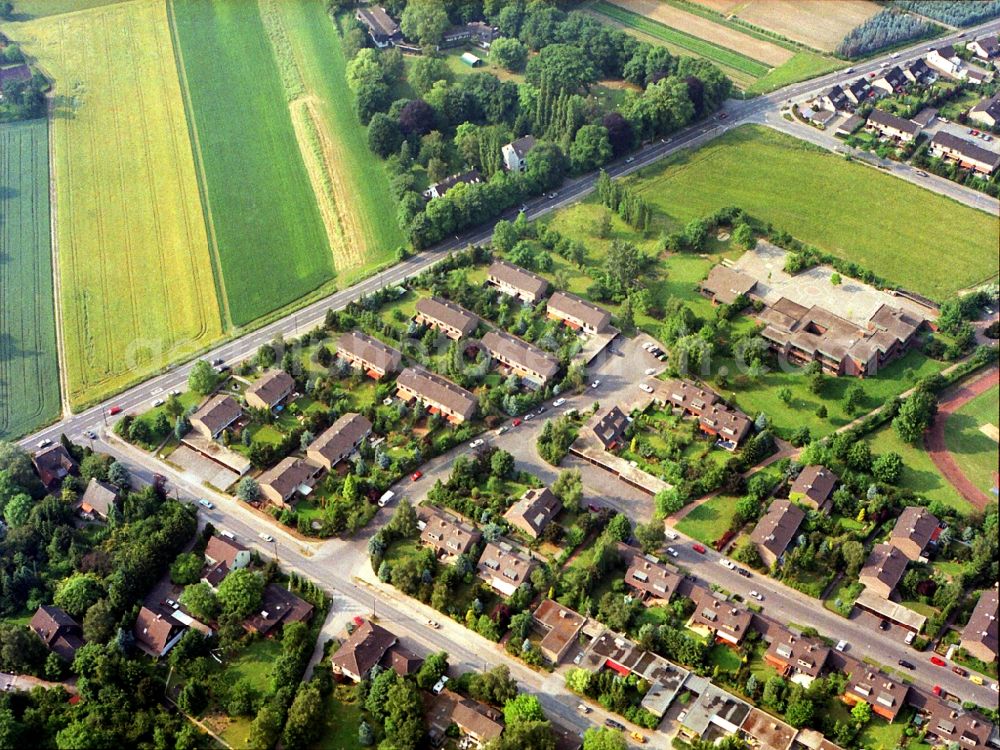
(525, 360)
(278, 607)
(215, 415)
(447, 536)
(339, 440)
(979, 637)
(362, 650)
(383, 30)
(919, 72)
(714, 416)
(478, 723)
(610, 428)
(368, 354)
(504, 568)
(536, 508)
(730, 425)
(969, 155)
(796, 658)
(477, 32)
(914, 531)
(925, 117)
(436, 190)
(889, 125)
(725, 285)
(892, 81)
(776, 529)
(987, 111)
(725, 621)
(154, 633)
(813, 487)
(438, 394)
(821, 117)
(269, 390)
(857, 91)
(985, 48)
(849, 126)
(559, 627)
(833, 99)
(53, 464)
(883, 570)
(712, 710)
(292, 476)
(61, 634)
(976, 75)
(648, 578)
(883, 693)
(97, 500)
(517, 282)
(223, 554)
(453, 320)
(515, 153)
(947, 725)
(764, 732)
(577, 313)
(401, 661)
(945, 61)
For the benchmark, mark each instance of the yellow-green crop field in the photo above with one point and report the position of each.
(136, 284)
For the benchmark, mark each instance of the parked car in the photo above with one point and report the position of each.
(386, 498)
(671, 551)
(646, 387)
(650, 370)
(905, 664)
(638, 737)
(728, 563)
(516, 422)
(416, 475)
(158, 403)
(612, 724)
(670, 534)
(503, 429)
(206, 503)
(540, 409)
(630, 160)
(529, 416)
(595, 384)
(757, 595)
(266, 537)
(841, 646)
(937, 661)
(476, 443)
(744, 572)
(960, 672)
(583, 709)
(439, 685)
(699, 548)
(884, 625)
(558, 402)
(44, 443)
(909, 638)
(936, 690)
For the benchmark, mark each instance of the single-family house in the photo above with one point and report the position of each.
(438, 394)
(919, 72)
(215, 415)
(834, 99)
(776, 529)
(969, 155)
(945, 61)
(383, 30)
(53, 464)
(476, 32)
(515, 153)
(648, 578)
(813, 487)
(891, 81)
(987, 111)
(291, 477)
(979, 636)
(535, 509)
(444, 315)
(857, 91)
(61, 634)
(362, 650)
(892, 126)
(154, 633)
(559, 627)
(985, 48)
(477, 723)
(714, 709)
(368, 354)
(725, 621)
(504, 568)
(223, 554)
(914, 531)
(279, 606)
(339, 440)
(517, 282)
(578, 313)
(17, 73)
(525, 360)
(796, 658)
(610, 428)
(883, 570)
(269, 390)
(725, 285)
(97, 500)
(437, 189)
(886, 695)
(447, 536)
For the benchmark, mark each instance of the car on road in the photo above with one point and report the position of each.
(976, 679)
(529, 416)
(595, 384)
(884, 625)
(583, 709)
(671, 551)
(723, 115)
(936, 690)
(906, 664)
(558, 402)
(44, 443)
(909, 638)
(699, 548)
(115, 410)
(638, 737)
(728, 563)
(217, 361)
(937, 661)
(91, 434)
(434, 624)
(650, 371)
(744, 572)
(646, 387)
(206, 503)
(386, 498)
(175, 392)
(540, 409)
(158, 403)
(960, 672)
(849, 70)
(630, 160)
(416, 475)
(503, 429)
(921, 173)
(841, 646)
(223, 368)
(612, 724)
(266, 537)
(516, 422)
(476, 443)
(757, 595)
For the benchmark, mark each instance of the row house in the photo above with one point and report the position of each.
(504, 568)
(291, 477)
(891, 126)
(535, 510)
(438, 394)
(215, 415)
(883, 570)
(776, 529)
(443, 315)
(979, 636)
(915, 530)
(967, 154)
(269, 390)
(714, 416)
(339, 440)
(578, 313)
(447, 536)
(517, 282)
(813, 487)
(526, 360)
(369, 354)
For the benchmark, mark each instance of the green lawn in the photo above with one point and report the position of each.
(710, 520)
(846, 592)
(724, 658)
(919, 472)
(879, 734)
(803, 65)
(41, 8)
(29, 370)
(266, 229)
(340, 720)
(818, 197)
(975, 452)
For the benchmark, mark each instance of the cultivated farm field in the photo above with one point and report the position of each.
(135, 275)
(265, 224)
(831, 203)
(29, 374)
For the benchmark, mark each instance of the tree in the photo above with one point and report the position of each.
(119, 475)
(203, 378)
(620, 134)
(77, 593)
(743, 236)
(424, 21)
(746, 552)
(248, 490)
(650, 535)
(524, 707)
(366, 735)
(365, 69)
(619, 528)
(853, 554)
(384, 135)
(568, 487)
(18, 510)
(305, 718)
(426, 71)
(200, 600)
(434, 667)
(242, 698)
(861, 713)
(603, 738)
(800, 712)
(887, 467)
(371, 98)
(501, 464)
(494, 686)
(404, 520)
(590, 149)
(186, 568)
(915, 415)
(241, 592)
(377, 701)
(854, 398)
(624, 264)
(17, 465)
(99, 623)
(193, 697)
(563, 67)
(509, 53)
(404, 722)
(669, 501)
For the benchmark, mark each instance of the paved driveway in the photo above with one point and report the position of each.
(203, 469)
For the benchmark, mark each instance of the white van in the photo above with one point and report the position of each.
(386, 498)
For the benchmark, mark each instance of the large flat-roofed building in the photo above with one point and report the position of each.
(215, 415)
(535, 509)
(368, 354)
(578, 313)
(892, 126)
(883, 570)
(504, 568)
(438, 394)
(979, 636)
(966, 153)
(524, 359)
(799, 659)
(883, 693)
(383, 30)
(447, 536)
(517, 282)
(453, 320)
(290, 477)
(726, 621)
(650, 579)
(776, 529)
(726, 285)
(914, 531)
(764, 732)
(813, 487)
(269, 390)
(339, 440)
(559, 626)
(713, 709)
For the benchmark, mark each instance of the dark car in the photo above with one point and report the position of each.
(611, 723)
(905, 664)
(744, 572)
(217, 361)
(884, 625)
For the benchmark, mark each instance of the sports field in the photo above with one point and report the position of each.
(135, 276)
(833, 204)
(350, 182)
(266, 227)
(29, 375)
(971, 436)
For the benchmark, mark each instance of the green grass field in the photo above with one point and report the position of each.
(824, 200)
(690, 43)
(27, 9)
(265, 223)
(803, 65)
(135, 275)
(710, 520)
(975, 452)
(29, 368)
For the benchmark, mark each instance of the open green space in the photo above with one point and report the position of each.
(25, 9)
(268, 235)
(823, 199)
(710, 520)
(341, 718)
(724, 658)
(29, 368)
(974, 451)
(919, 473)
(803, 65)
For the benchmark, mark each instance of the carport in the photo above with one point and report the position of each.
(891, 611)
